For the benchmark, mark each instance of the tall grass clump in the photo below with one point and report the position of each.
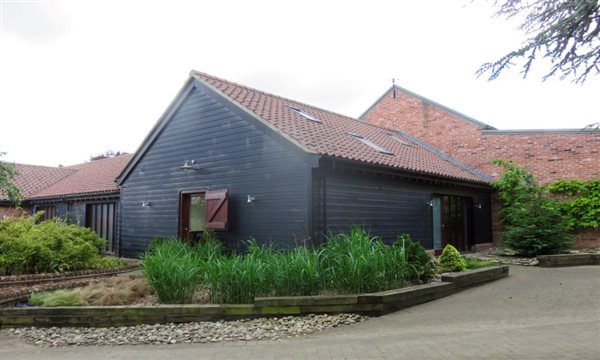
(172, 271)
(356, 262)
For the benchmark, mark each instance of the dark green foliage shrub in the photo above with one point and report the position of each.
(451, 260)
(28, 247)
(172, 271)
(421, 265)
(533, 224)
(583, 210)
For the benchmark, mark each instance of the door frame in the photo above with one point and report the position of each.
(467, 226)
(184, 211)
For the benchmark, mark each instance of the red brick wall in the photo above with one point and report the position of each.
(9, 211)
(548, 155)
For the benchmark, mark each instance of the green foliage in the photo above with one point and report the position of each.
(30, 247)
(473, 263)
(421, 265)
(562, 31)
(533, 224)
(451, 260)
(7, 186)
(583, 210)
(172, 271)
(352, 262)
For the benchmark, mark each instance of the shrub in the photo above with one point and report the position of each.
(28, 246)
(421, 265)
(451, 260)
(172, 271)
(533, 224)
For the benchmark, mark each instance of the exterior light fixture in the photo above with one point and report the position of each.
(251, 199)
(188, 165)
(478, 205)
(430, 203)
(146, 203)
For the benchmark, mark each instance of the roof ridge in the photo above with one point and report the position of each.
(194, 72)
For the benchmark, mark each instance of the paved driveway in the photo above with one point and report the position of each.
(534, 314)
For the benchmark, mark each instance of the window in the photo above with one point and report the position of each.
(400, 140)
(201, 210)
(371, 144)
(49, 212)
(100, 217)
(305, 114)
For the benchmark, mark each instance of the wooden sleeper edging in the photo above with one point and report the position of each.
(568, 260)
(372, 304)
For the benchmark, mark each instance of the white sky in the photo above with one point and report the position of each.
(80, 77)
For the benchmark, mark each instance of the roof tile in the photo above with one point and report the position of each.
(330, 135)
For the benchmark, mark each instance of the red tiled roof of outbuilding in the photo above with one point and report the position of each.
(96, 176)
(330, 135)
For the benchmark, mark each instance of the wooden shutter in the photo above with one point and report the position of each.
(216, 209)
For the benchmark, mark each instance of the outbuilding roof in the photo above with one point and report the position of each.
(41, 182)
(327, 133)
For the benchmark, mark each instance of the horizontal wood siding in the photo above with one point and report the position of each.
(388, 206)
(231, 151)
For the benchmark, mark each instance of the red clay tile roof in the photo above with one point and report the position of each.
(34, 178)
(96, 176)
(37, 182)
(331, 136)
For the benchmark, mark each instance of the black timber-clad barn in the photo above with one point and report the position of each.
(254, 165)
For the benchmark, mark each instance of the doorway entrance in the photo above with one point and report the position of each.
(452, 221)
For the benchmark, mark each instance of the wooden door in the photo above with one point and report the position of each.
(453, 225)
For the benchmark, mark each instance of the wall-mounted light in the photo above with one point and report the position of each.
(478, 205)
(146, 203)
(430, 203)
(188, 165)
(251, 199)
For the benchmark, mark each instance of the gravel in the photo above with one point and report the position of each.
(197, 332)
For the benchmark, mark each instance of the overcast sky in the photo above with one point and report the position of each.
(80, 77)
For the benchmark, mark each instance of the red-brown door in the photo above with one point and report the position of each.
(455, 222)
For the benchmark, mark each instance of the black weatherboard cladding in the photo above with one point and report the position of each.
(388, 206)
(233, 151)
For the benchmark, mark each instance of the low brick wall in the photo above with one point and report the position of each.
(372, 304)
(568, 260)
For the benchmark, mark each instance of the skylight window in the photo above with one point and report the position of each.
(304, 114)
(400, 140)
(371, 144)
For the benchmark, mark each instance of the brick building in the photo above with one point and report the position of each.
(549, 154)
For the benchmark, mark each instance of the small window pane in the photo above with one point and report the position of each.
(197, 211)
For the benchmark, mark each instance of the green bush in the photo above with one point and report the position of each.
(28, 246)
(172, 271)
(582, 211)
(533, 224)
(421, 265)
(451, 260)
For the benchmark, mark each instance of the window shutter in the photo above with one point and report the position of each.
(216, 209)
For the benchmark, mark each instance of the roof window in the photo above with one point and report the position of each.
(400, 140)
(371, 144)
(304, 114)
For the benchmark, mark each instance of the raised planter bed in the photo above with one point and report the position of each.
(568, 260)
(372, 304)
